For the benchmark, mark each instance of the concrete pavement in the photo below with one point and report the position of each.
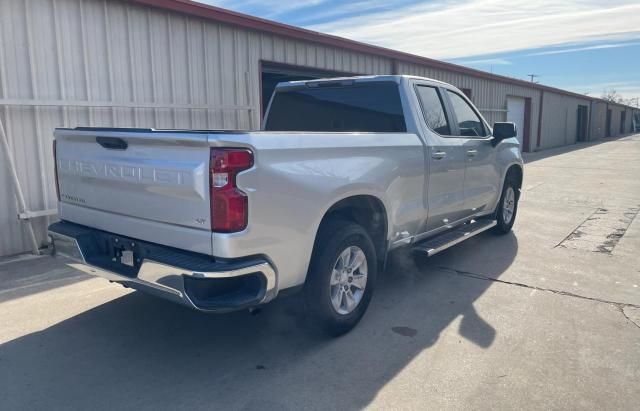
(547, 317)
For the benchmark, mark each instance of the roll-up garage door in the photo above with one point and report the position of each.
(515, 114)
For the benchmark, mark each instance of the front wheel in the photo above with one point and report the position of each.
(507, 207)
(341, 277)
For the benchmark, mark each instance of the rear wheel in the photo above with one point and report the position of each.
(507, 207)
(341, 277)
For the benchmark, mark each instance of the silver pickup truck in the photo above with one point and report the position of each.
(344, 171)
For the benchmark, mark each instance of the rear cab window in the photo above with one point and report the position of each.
(433, 109)
(469, 122)
(359, 107)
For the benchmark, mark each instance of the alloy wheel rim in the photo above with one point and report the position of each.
(348, 280)
(509, 205)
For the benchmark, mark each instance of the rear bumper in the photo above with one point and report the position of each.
(195, 280)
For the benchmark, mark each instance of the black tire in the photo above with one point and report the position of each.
(504, 226)
(333, 238)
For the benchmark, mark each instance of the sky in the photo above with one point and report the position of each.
(586, 46)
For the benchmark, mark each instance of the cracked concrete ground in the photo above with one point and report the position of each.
(493, 323)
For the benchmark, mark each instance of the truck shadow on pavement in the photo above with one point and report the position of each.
(137, 352)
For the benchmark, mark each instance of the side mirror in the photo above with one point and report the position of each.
(503, 131)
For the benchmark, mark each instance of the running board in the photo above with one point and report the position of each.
(450, 238)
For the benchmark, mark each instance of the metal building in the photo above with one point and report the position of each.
(179, 64)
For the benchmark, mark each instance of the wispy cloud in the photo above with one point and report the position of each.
(480, 27)
(627, 89)
(484, 62)
(345, 9)
(265, 8)
(585, 48)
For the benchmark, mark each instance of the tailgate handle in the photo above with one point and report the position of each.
(112, 143)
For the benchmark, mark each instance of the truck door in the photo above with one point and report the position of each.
(445, 185)
(482, 176)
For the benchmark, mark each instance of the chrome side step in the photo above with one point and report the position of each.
(432, 246)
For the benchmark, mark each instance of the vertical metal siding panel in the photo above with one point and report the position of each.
(161, 63)
(214, 71)
(241, 73)
(197, 77)
(178, 40)
(228, 76)
(333, 56)
(599, 120)
(253, 78)
(310, 56)
(18, 121)
(279, 53)
(97, 59)
(8, 207)
(38, 187)
(140, 57)
(73, 59)
(301, 54)
(266, 47)
(290, 51)
(122, 87)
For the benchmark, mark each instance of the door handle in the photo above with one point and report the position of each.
(472, 153)
(439, 155)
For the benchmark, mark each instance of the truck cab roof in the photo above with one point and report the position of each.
(345, 81)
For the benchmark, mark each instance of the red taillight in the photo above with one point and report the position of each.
(55, 169)
(229, 205)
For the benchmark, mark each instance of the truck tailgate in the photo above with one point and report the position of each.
(156, 176)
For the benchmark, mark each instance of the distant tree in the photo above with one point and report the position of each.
(612, 96)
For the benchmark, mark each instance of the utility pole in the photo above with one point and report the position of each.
(533, 76)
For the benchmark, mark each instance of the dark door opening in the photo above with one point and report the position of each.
(583, 119)
(623, 119)
(526, 138)
(607, 130)
(273, 73)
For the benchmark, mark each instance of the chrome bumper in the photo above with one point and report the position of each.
(167, 280)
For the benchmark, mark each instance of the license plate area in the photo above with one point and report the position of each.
(125, 255)
(127, 258)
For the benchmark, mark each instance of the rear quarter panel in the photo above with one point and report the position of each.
(297, 177)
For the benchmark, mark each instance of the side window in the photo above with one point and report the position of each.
(433, 110)
(469, 123)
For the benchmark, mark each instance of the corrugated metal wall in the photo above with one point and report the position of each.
(67, 63)
(598, 120)
(560, 120)
(616, 118)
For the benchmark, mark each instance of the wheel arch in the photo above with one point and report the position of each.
(515, 171)
(512, 169)
(366, 210)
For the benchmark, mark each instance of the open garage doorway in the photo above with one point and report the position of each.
(273, 73)
(583, 123)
